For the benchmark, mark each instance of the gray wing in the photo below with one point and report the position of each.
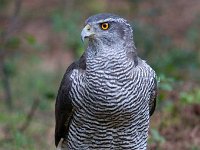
(63, 106)
(153, 97)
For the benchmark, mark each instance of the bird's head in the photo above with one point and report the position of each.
(107, 30)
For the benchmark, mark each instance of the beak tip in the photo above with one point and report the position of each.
(86, 33)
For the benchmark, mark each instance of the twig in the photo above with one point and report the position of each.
(4, 38)
(30, 115)
(13, 20)
(6, 85)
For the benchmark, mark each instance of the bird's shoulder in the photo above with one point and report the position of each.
(63, 106)
(66, 82)
(79, 64)
(145, 69)
(148, 78)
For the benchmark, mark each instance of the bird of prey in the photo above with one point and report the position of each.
(106, 98)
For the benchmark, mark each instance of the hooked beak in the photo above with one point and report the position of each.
(86, 32)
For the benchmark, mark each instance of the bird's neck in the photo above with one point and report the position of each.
(106, 57)
(98, 48)
(119, 52)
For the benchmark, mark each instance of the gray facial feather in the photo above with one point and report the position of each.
(118, 37)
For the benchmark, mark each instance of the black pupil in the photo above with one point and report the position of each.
(104, 26)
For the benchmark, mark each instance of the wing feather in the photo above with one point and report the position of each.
(63, 106)
(153, 97)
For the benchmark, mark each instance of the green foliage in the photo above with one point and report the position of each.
(144, 38)
(163, 55)
(69, 25)
(165, 86)
(28, 83)
(34, 83)
(10, 67)
(176, 61)
(193, 35)
(3, 4)
(195, 147)
(174, 64)
(156, 137)
(13, 118)
(33, 43)
(21, 140)
(190, 97)
(11, 121)
(31, 39)
(165, 83)
(12, 43)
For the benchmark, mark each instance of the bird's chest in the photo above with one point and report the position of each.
(107, 93)
(107, 83)
(104, 77)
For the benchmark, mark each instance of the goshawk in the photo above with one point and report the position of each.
(106, 98)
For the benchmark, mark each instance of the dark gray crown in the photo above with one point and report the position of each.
(101, 16)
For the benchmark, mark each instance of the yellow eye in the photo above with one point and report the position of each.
(104, 26)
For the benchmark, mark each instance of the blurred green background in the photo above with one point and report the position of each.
(39, 39)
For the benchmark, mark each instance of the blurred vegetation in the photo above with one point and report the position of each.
(39, 39)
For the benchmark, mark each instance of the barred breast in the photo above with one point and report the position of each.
(110, 102)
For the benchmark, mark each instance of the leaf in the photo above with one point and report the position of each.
(31, 39)
(12, 43)
(190, 97)
(10, 68)
(166, 87)
(156, 136)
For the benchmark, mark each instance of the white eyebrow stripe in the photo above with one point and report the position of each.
(120, 20)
